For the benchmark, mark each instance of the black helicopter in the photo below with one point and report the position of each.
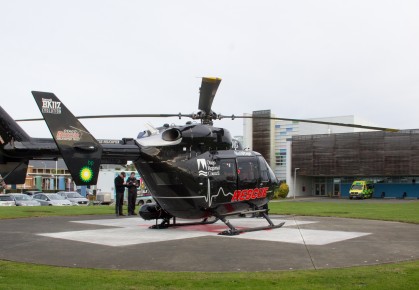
(193, 171)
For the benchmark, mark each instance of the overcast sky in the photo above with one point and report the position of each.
(301, 59)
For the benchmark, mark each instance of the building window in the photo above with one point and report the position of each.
(280, 158)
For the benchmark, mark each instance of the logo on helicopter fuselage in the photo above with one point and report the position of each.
(207, 167)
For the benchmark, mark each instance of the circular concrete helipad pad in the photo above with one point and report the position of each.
(128, 243)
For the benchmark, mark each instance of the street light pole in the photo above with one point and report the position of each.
(56, 175)
(295, 180)
(44, 181)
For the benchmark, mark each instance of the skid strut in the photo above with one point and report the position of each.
(232, 231)
(166, 223)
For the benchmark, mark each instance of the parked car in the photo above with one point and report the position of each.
(32, 192)
(51, 199)
(74, 197)
(24, 200)
(7, 200)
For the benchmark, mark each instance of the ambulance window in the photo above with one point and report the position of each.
(228, 169)
(264, 173)
(247, 169)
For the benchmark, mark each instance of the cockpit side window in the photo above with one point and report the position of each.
(247, 169)
(264, 172)
(228, 169)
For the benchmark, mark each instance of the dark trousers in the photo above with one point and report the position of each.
(119, 202)
(132, 196)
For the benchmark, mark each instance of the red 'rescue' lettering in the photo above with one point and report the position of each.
(255, 193)
(242, 195)
(248, 194)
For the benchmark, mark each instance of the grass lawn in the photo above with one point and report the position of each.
(403, 211)
(8, 212)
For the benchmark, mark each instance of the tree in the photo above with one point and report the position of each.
(283, 191)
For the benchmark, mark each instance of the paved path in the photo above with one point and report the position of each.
(127, 243)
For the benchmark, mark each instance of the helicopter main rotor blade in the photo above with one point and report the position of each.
(314, 122)
(118, 116)
(207, 93)
(223, 117)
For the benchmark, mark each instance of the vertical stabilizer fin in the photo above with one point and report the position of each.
(80, 150)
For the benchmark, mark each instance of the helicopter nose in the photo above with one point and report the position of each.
(172, 134)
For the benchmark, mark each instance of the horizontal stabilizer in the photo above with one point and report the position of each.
(14, 172)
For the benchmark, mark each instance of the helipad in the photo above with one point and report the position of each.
(129, 231)
(128, 243)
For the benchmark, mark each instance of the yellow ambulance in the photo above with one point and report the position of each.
(361, 189)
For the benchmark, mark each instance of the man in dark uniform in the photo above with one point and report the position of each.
(132, 184)
(119, 189)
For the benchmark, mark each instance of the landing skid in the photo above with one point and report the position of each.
(233, 231)
(166, 223)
